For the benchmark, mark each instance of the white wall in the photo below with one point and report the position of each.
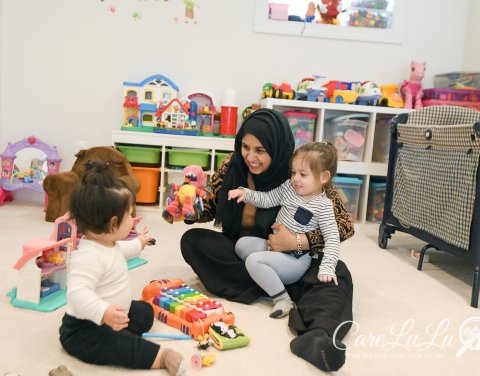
(63, 62)
(471, 55)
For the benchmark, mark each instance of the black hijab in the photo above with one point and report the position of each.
(273, 131)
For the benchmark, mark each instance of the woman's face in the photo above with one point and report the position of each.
(254, 154)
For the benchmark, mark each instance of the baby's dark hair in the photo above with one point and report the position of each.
(100, 197)
(319, 157)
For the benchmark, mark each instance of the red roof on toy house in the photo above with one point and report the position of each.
(162, 109)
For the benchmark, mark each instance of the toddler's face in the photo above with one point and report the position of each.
(303, 180)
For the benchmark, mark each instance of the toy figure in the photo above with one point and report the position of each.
(310, 13)
(412, 89)
(187, 195)
(189, 11)
(329, 10)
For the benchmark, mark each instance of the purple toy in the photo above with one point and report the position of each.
(11, 180)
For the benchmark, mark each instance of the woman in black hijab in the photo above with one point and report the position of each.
(261, 161)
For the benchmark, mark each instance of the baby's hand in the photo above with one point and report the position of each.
(144, 237)
(116, 318)
(327, 279)
(238, 193)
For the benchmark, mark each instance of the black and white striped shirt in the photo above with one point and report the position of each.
(300, 216)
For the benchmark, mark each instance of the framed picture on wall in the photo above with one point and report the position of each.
(379, 21)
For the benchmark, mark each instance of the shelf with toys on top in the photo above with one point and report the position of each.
(361, 134)
(162, 133)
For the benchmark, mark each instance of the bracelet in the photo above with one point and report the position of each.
(299, 245)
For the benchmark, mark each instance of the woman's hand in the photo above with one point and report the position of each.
(282, 239)
(115, 318)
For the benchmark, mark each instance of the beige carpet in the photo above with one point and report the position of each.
(406, 322)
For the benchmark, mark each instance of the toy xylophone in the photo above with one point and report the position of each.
(181, 306)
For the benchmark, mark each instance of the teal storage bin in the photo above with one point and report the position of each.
(348, 188)
(376, 199)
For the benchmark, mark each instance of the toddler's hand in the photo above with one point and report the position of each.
(144, 237)
(239, 194)
(116, 318)
(327, 279)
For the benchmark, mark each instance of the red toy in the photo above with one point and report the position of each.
(329, 10)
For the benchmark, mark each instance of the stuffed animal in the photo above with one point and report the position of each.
(187, 195)
(329, 10)
(412, 89)
(59, 186)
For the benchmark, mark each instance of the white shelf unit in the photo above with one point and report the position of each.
(364, 169)
(165, 141)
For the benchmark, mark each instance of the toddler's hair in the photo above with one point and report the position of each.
(100, 197)
(319, 157)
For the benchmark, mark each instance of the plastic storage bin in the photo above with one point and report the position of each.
(184, 157)
(369, 17)
(149, 182)
(141, 154)
(348, 134)
(348, 188)
(381, 141)
(278, 11)
(376, 199)
(457, 80)
(302, 125)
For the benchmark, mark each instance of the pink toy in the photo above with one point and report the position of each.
(42, 269)
(11, 180)
(187, 195)
(5, 196)
(412, 89)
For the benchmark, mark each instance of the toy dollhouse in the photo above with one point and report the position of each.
(174, 115)
(142, 100)
(152, 105)
(32, 177)
(202, 111)
(42, 269)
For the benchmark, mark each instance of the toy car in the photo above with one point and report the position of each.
(283, 91)
(391, 97)
(369, 94)
(310, 89)
(345, 92)
(267, 90)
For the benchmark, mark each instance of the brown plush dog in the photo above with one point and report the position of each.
(59, 186)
